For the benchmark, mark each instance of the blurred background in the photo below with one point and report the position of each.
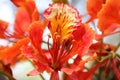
(7, 13)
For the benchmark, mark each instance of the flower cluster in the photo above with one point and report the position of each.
(69, 38)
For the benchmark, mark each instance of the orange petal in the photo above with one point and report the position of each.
(30, 6)
(109, 14)
(93, 7)
(19, 2)
(10, 53)
(22, 22)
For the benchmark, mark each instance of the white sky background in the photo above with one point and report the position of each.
(7, 13)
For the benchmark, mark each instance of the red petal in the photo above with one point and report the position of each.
(83, 37)
(19, 2)
(35, 34)
(22, 22)
(3, 27)
(109, 31)
(78, 67)
(80, 75)
(40, 67)
(33, 72)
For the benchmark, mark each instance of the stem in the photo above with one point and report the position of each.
(117, 47)
(46, 43)
(60, 1)
(42, 77)
(101, 45)
(7, 74)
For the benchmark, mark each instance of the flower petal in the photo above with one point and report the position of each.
(80, 75)
(22, 22)
(91, 8)
(79, 66)
(109, 14)
(3, 27)
(9, 54)
(83, 38)
(35, 34)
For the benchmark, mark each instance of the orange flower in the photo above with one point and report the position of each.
(109, 15)
(93, 7)
(3, 27)
(65, 29)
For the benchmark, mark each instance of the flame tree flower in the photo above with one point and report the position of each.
(25, 15)
(70, 37)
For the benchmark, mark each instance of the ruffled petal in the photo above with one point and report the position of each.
(9, 54)
(83, 38)
(22, 23)
(35, 34)
(80, 75)
(109, 15)
(62, 19)
(93, 7)
(79, 66)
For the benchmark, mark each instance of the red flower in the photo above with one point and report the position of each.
(65, 27)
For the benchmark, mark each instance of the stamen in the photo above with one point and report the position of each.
(48, 43)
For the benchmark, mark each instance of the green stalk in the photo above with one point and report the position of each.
(42, 77)
(60, 1)
(117, 47)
